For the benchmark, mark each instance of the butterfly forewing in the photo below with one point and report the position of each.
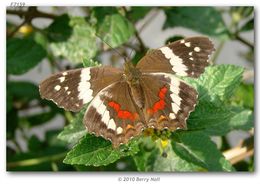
(186, 57)
(74, 88)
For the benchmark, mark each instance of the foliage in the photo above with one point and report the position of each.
(225, 103)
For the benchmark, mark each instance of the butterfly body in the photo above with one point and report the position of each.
(125, 101)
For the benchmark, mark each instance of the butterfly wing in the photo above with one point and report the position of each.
(113, 115)
(169, 101)
(74, 88)
(187, 57)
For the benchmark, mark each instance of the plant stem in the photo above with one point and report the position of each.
(36, 161)
(33, 14)
(142, 46)
(16, 29)
(242, 40)
(18, 148)
(240, 152)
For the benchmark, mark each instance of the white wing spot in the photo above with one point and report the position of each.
(197, 49)
(172, 116)
(65, 73)
(57, 87)
(66, 88)
(106, 117)
(111, 124)
(190, 53)
(62, 79)
(183, 41)
(191, 58)
(119, 130)
(187, 44)
(68, 93)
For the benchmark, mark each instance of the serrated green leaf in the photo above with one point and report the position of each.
(196, 147)
(75, 130)
(206, 20)
(81, 44)
(248, 26)
(59, 30)
(89, 63)
(23, 55)
(244, 96)
(151, 159)
(220, 119)
(116, 30)
(217, 82)
(96, 151)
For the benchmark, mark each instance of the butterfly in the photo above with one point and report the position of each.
(124, 102)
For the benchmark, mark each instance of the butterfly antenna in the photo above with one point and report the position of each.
(123, 56)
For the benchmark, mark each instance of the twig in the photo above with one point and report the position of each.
(32, 12)
(35, 161)
(16, 29)
(142, 46)
(250, 45)
(28, 16)
(240, 152)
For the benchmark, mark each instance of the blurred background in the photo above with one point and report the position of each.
(40, 42)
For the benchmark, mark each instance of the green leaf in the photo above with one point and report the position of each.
(75, 130)
(173, 38)
(81, 44)
(11, 123)
(96, 151)
(240, 12)
(60, 29)
(34, 144)
(217, 82)
(138, 12)
(220, 119)
(23, 55)
(38, 119)
(9, 101)
(98, 14)
(244, 96)
(206, 20)
(23, 91)
(90, 63)
(116, 30)
(215, 87)
(151, 159)
(196, 147)
(248, 26)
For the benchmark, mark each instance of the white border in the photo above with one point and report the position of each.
(32, 178)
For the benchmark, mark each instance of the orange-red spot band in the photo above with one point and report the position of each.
(159, 105)
(123, 114)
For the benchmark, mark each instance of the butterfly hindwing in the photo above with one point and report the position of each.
(169, 101)
(74, 88)
(186, 57)
(113, 115)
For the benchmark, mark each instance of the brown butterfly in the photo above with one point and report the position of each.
(125, 101)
